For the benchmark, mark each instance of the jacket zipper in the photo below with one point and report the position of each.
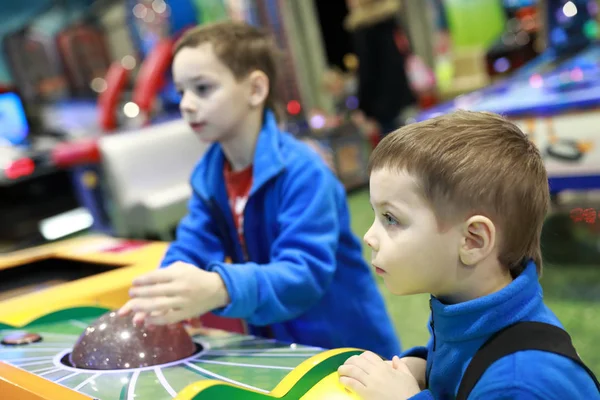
(430, 356)
(222, 227)
(245, 250)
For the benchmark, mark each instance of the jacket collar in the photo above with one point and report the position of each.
(486, 315)
(207, 178)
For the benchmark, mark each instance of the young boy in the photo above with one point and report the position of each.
(459, 203)
(268, 203)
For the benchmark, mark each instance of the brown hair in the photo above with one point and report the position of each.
(242, 48)
(470, 163)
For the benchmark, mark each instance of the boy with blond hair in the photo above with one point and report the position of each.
(268, 203)
(459, 204)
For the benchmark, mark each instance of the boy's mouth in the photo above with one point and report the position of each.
(378, 270)
(197, 126)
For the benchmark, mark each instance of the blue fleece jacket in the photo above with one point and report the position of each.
(459, 330)
(306, 277)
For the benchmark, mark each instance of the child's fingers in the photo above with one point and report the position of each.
(154, 277)
(396, 361)
(156, 304)
(139, 318)
(126, 309)
(353, 385)
(371, 357)
(402, 367)
(164, 317)
(158, 290)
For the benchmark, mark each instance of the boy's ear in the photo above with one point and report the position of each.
(479, 240)
(259, 88)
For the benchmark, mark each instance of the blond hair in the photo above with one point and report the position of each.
(242, 48)
(469, 163)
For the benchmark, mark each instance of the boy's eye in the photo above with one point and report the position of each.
(389, 219)
(203, 89)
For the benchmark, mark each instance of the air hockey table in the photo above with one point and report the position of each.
(559, 108)
(44, 322)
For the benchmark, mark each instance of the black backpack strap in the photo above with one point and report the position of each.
(514, 338)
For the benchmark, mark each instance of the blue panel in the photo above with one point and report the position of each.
(13, 120)
(581, 182)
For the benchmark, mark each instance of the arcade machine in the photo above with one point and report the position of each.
(38, 201)
(53, 75)
(557, 105)
(61, 339)
(31, 172)
(569, 27)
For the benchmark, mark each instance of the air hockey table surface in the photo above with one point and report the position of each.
(226, 365)
(559, 110)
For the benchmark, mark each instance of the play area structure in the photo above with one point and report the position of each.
(555, 97)
(62, 340)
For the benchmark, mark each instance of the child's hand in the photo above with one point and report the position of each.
(194, 322)
(174, 294)
(417, 367)
(373, 378)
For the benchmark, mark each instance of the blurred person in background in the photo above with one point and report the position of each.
(384, 90)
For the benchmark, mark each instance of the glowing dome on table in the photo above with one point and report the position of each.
(113, 342)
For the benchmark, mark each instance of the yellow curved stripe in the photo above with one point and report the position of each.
(327, 388)
(297, 373)
(193, 389)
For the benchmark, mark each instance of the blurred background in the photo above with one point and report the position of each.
(91, 139)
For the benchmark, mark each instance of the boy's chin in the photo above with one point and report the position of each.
(403, 291)
(207, 137)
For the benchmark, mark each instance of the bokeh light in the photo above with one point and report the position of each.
(352, 102)
(536, 81)
(317, 121)
(294, 107)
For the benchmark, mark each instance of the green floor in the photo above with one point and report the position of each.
(571, 289)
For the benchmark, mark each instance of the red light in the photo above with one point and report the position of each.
(70, 154)
(294, 107)
(19, 168)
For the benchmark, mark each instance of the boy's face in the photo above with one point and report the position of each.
(213, 102)
(409, 251)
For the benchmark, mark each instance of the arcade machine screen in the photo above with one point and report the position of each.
(13, 121)
(74, 118)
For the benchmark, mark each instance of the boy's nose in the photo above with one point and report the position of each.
(186, 104)
(370, 240)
